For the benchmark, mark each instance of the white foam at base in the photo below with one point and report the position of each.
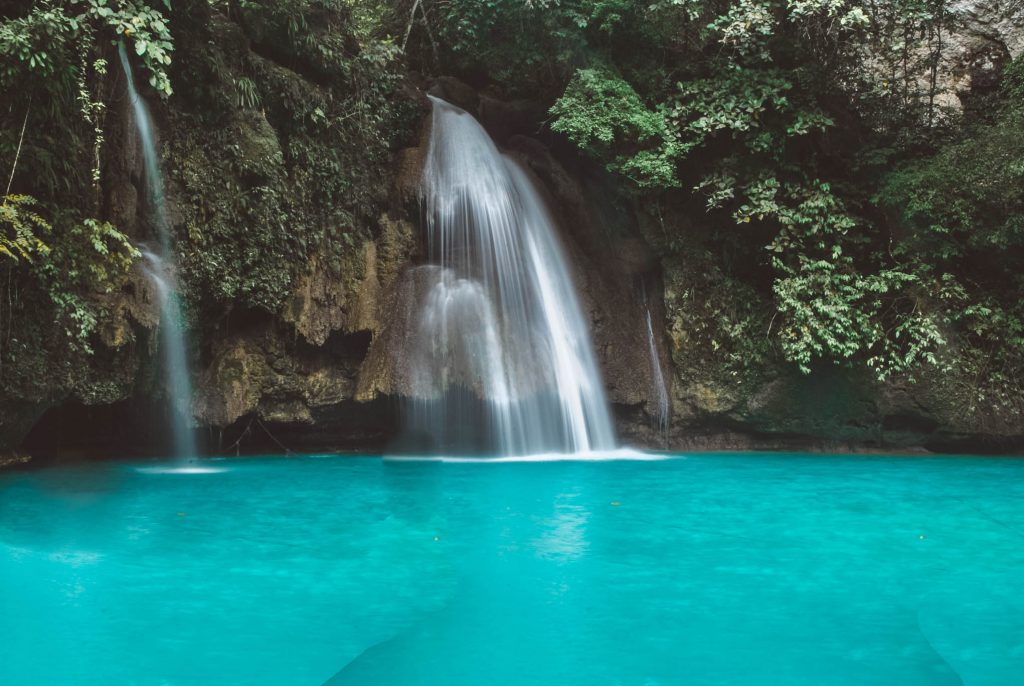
(181, 470)
(621, 454)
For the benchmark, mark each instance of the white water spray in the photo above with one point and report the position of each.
(509, 366)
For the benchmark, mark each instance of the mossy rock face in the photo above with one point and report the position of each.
(280, 154)
(831, 403)
(714, 327)
(732, 389)
(260, 159)
(47, 374)
(277, 149)
(343, 292)
(267, 373)
(457, 93)
(233, 383)
(336, 293)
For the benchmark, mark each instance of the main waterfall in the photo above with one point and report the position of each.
(506, 363)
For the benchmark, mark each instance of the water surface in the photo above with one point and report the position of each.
(712, 569)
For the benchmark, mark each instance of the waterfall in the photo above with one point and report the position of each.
(507, 365)
(160, 270)
(658, 376)
(172, 343)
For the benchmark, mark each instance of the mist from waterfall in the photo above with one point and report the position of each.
(174, 350)
(160, 268)
(506, 362)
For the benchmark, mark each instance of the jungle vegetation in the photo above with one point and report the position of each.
(848, 207)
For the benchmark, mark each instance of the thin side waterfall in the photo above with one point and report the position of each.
(661, 389)
(160, 268)
(507, 365)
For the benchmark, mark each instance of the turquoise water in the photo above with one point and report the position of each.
(717, 569)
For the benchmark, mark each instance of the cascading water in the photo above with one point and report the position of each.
(507, 364)
(172, 343)
(160, 270)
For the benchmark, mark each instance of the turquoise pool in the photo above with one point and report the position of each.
(709, 569)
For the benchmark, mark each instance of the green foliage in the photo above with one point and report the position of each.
(248, 95)
(809, 216)
(33, 44)
(20, 228)
(753, 107)
(756, 107)
(993, 348)
(55, 54)
(528, 45)
(960, 214)
(832, 312)
(280, 159)
(59, 261)
(91, 258)
(602, 113)
(722, 322)
(966, 200)
(42, 43)
(147, 28)
(93, 109)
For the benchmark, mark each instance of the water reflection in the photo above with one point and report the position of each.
(563, 535)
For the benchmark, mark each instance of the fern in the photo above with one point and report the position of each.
(248, 95)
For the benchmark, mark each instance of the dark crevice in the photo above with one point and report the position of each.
(348, 346)
(72, 430)
(301, 68)
(349, 426)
